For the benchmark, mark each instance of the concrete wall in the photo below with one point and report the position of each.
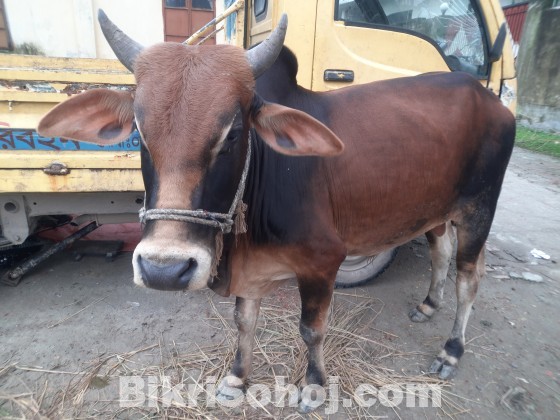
(220, 36)
(142, 20)
(68, 28)
(538, 67)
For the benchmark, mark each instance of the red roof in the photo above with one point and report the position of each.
(515, 16)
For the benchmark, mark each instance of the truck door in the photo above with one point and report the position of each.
(358, 41)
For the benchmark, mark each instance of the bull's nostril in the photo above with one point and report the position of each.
(173, 275)
(185, 277)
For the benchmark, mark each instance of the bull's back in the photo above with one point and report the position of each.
(416, 148)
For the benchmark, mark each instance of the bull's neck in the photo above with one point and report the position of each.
(277, 189)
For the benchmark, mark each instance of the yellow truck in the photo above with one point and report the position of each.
(337, 43)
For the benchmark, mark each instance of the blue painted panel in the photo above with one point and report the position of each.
(21, 139)
(230, 21)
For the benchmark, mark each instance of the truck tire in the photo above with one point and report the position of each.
(359, 270)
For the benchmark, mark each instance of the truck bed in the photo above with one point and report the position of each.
(42, 176)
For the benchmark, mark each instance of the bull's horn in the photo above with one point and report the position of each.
(125, 48)
(263, 55)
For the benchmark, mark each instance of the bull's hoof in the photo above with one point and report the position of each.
(416, 315)
(447, 361)
(445, 369)
(230, 390)
(304, 408)
(306, 403)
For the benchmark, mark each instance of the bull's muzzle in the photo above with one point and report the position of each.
(176, 266)
(173, 275)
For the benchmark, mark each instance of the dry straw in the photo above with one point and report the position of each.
(355, 351)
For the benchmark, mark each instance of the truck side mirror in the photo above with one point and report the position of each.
(498, 47)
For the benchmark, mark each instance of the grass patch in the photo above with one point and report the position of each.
(538, 141)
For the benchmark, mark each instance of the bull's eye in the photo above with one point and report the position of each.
(229, 142)
(232, 136)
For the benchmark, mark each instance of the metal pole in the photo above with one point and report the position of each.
(238, 5)
(13, 277)
(203, 40)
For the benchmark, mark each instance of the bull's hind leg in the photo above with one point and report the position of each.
(471, 237)
(441, 240)
(245, 316)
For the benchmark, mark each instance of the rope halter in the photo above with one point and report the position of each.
(223, 221)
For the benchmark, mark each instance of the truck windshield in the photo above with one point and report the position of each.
(454, 26)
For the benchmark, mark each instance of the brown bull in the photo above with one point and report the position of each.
(418, 155)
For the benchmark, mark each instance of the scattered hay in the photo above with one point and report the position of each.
(182, 384)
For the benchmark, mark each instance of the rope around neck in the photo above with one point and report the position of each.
(223, 221)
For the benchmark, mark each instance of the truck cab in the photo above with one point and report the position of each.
(343, 42)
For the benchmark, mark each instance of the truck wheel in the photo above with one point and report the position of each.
(358, 270)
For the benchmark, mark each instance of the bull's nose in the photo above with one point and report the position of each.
(174, 275)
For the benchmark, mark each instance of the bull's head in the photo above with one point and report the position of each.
(194, 107)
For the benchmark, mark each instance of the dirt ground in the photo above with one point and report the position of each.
(66, 314)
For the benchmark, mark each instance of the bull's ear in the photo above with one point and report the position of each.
(295, 133)
(99, 116)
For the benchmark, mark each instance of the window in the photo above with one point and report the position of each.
(175, 3)
(196, 4)
(182, 18)
(260, 7)
(202, 4)
(453, 25)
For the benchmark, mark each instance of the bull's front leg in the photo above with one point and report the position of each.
(316, 298)
(245, 316)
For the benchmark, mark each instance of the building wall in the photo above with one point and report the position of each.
(68, 28)
(220, 7)
(142, 20)
(538, 71)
